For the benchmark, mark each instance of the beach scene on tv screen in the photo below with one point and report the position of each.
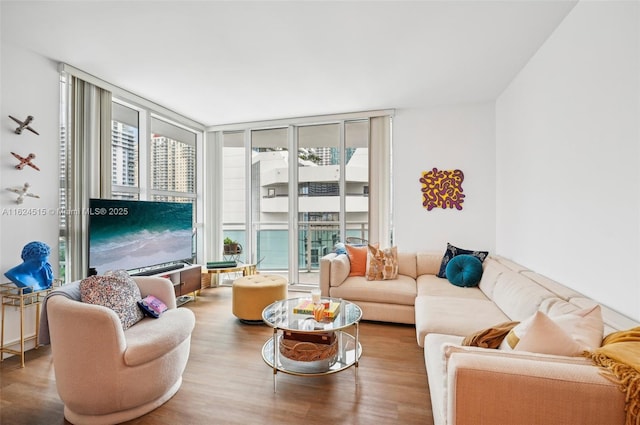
(131, 235)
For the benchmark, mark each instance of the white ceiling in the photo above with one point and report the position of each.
(227, 62)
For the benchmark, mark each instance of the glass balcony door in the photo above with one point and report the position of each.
(289, 194)
(318, 196)
(234, 195)
(270, 222)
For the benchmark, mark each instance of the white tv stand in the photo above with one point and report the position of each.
(186, 282)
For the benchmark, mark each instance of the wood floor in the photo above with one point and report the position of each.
(227, 382)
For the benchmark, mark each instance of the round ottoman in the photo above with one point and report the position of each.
(251, 294)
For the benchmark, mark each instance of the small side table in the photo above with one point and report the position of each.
(13, 296)
(246, 269)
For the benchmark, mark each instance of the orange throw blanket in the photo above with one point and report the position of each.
(620, 356)
(490, 337)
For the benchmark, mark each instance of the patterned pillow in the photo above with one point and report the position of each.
(117, 291)
(382, 263)
(452, 251)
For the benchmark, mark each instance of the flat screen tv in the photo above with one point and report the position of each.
(139, 236)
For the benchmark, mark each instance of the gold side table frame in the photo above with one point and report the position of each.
(14, 296)
(246, 269)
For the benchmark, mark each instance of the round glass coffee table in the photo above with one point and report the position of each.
(292, 320)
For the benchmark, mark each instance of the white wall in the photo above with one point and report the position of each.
(568, 157)
(447, 137)
(29, 86)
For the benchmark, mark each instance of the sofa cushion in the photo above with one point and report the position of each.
(452, 315)
(452, 251)
(557, 306)
(491, 270)
(517, 296)
(399, 291)
(114, 290)
(464, 270)
(407, 264)
(557, 288)
(339, 270)
(613, 321)
(358, 260)
(511, 265)
(429, 284)
(428, 263)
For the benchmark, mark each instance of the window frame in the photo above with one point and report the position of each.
(145, 189)
(87, 172)
(214, 180)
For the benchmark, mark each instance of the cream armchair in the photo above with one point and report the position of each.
(105, 375)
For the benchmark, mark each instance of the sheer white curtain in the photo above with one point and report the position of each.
(380, 224)
(88, 166)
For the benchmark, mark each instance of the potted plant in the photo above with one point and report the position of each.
(231, 247)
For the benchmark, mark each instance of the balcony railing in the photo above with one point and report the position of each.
(315, 239)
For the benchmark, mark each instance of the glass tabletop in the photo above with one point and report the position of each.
(293, 314)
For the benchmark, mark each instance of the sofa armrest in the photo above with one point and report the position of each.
(325, 273)
(503, 390)
(151, 339)
(159, 287)
(87, 340)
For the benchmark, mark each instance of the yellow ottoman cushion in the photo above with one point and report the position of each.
(251, 294)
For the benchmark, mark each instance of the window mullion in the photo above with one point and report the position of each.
(342, 183)
(145, 178)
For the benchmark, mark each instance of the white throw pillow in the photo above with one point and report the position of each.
(585, 326)
(540, 334)
(584, 322)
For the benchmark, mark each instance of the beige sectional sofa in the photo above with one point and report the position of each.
(386, 301)
(471, 385)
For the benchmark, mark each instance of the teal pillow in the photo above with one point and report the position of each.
(464, 270)
(453, 251)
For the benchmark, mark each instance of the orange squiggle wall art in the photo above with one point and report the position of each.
(442, 189)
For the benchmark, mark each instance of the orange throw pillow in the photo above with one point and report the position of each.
(358, 259)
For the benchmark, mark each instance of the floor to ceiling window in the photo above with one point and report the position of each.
(172, 162)
(116, 145)
(161, 169)
(318, 195)
(357, 181)
(125, 148)
(289, 192)
(269, 195)
(233, 194)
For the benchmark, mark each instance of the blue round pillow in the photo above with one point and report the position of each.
(464, 270)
